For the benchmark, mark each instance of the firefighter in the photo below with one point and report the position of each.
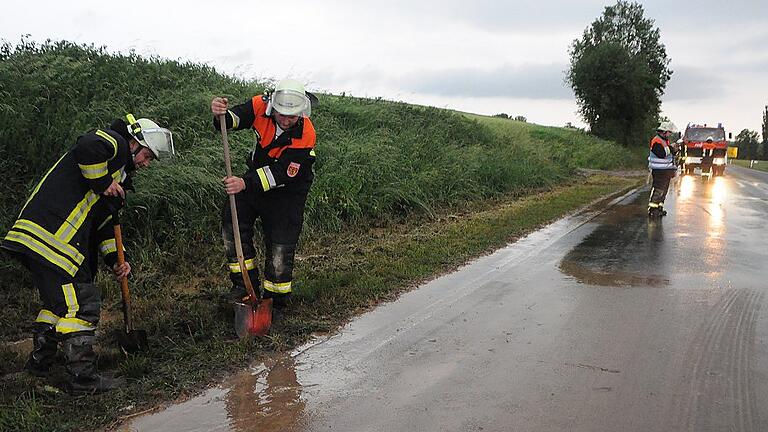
(661, 162)
(62, 228)
(273, 189)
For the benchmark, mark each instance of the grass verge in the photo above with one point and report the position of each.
(338, 276)
(757, 165)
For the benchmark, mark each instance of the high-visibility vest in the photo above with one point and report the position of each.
(655, 162)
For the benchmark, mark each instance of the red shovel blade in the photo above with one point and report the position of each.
(253, 320)
(262, 318)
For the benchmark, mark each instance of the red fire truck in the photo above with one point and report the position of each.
(704, 147)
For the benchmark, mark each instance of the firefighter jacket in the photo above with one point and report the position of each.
(281, 163)
(661, 155)
(66, 218)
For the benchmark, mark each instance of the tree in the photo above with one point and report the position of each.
(765, 124)
(619, 70)
(501, 115)
(520, 118)
(748, 144)
(764, 145)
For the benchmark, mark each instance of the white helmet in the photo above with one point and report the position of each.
(667, 126)
(290, 98)
(150, 135)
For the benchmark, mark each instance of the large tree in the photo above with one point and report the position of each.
(619, 70)
(747, 143)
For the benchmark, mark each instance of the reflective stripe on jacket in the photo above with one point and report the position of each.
(656, 162)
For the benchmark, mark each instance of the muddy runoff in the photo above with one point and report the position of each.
(265, 398)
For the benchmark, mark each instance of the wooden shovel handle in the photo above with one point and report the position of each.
(233, 210)
(126, 293)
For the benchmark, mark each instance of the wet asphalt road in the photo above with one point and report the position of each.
(602, 321)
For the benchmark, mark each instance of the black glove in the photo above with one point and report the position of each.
(114, 203)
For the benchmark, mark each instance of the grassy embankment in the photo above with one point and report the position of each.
(402, 193)
(758, 165)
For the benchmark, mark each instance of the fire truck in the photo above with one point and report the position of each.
(704, 147)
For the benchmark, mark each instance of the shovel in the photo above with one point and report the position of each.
(130, 340)
(253, 316)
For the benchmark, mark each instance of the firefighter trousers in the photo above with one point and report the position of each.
(661, 179)
(71, 304)
(281, 215)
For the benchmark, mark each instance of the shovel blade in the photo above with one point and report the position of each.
(132, 341)
(253, 320)
(262, 319)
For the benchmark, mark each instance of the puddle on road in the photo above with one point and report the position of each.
(621, 250)
(589, 276)
(265, 398)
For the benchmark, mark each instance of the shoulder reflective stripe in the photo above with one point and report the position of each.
(281, 288)
(77, 217)
(93, 171)
(46, 316)
(37, 188)
(108, 246)
(235, 119)
(71, 325)
(312, 153)
(42, 250)
(50, 239)
(109, 138)
(71, 299)
(235, 267)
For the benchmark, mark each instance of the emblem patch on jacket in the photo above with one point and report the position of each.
(293, 169)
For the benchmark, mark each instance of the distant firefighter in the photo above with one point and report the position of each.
(661, 162)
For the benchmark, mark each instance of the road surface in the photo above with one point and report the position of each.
(602, 321)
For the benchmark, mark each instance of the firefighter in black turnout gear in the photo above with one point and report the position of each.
(274, 188)
(61, 229)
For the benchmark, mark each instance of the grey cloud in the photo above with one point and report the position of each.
(533, 82)
(542, 16)
(492, 15)
(536, 14)
(693, 84)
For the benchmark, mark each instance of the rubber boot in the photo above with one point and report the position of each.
(279, 306)
(45, 343)
(654, 213)
(81, 366)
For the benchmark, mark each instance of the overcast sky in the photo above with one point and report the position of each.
(483, 56)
